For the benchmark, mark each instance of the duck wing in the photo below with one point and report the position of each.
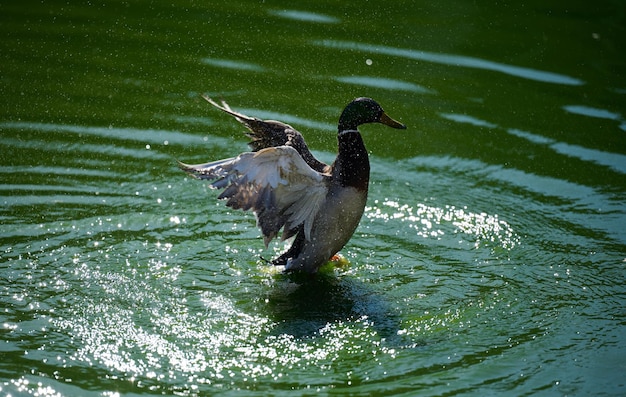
(275, 183)
(271, 133)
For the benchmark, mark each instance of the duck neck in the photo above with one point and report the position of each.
(352, 166)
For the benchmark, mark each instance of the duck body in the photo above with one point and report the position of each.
(290, 190)
(335, 224)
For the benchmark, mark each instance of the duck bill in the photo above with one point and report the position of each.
(388, 121)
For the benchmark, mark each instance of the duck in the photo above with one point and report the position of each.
(293, 193)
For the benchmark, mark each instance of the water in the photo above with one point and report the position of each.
(490, 259)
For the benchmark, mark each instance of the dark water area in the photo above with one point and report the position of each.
(490, 259)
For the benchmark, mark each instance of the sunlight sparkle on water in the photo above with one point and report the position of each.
(222, 343)
(26, 387)
(434, 222)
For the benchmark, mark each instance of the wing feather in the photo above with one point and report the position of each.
(275, 183)
(272, 133)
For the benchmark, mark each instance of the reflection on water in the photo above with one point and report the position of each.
(306, 307)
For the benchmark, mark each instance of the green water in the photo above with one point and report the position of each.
(490, 259)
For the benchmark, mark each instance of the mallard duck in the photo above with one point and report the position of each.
(288, 188)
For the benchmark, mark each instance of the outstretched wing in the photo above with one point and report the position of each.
(263, 133)
(275, 183)
(270, 133)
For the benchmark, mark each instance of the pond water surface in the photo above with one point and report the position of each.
(490, 259)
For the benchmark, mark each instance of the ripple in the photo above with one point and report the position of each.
(466, 119)
(578, 203)
(592, 112)
(534, 138)
(142, 328)
(233, 64)
(306, 16)
(614, 161)
(455, 60)
(150, 136)
(380, 82)
(597, 113)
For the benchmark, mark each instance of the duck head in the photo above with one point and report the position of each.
(363, 111)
